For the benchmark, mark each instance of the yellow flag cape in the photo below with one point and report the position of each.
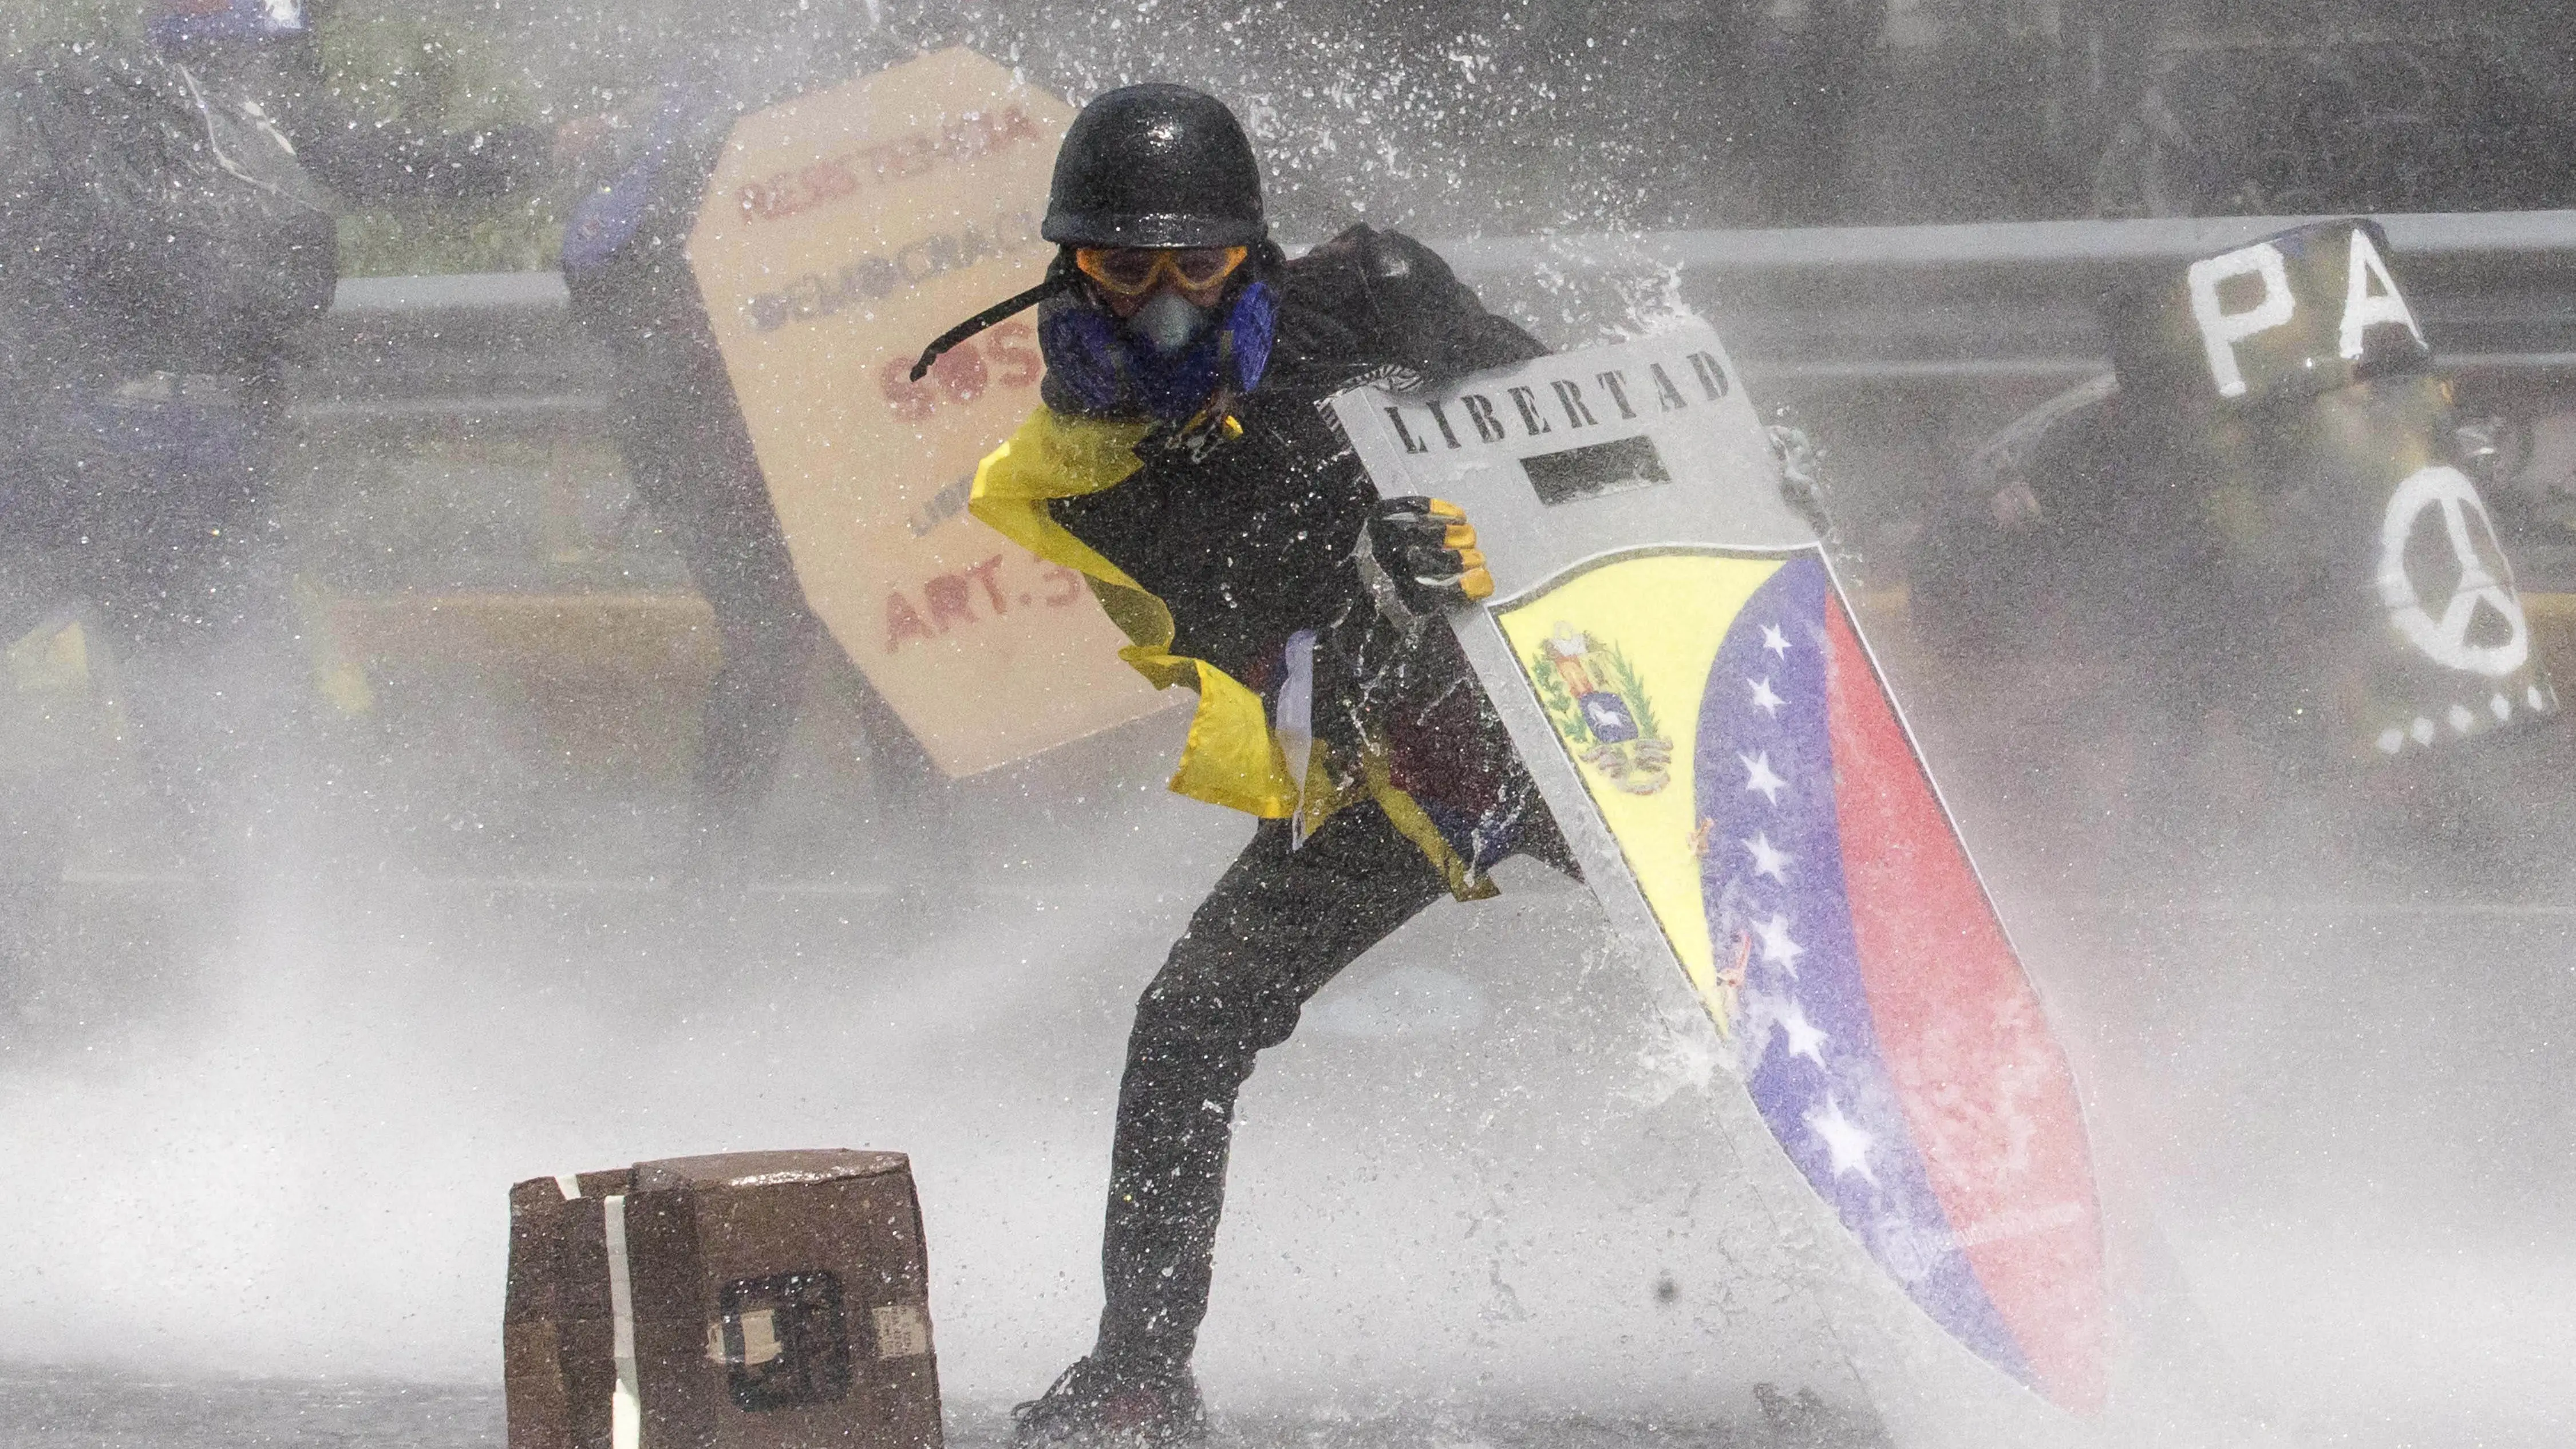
(1231, 757)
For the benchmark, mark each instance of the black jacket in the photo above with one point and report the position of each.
(1252, 539)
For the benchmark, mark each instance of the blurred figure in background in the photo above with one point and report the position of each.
(2256, 561)
(170, 223)
(688, 454)
(2268, 128)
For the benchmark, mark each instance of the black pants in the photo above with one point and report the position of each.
(691, 463)
(1278, 926)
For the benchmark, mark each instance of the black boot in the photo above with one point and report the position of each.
(1096, 1402)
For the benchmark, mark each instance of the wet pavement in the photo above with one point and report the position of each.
(281, 1150)
(113, 1409)
(63, 1408)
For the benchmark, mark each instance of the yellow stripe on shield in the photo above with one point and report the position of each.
(1620, 654)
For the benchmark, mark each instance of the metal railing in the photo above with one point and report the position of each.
(1952, 305)
(1999, 244)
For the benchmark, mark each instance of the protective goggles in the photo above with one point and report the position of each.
(1134, 271)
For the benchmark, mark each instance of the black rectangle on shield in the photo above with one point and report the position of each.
(1579, 473)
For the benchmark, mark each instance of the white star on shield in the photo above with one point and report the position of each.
(1777, 948)
(1844, 1138)
(1768, 858)
(1805, 1038)
(1758, 776)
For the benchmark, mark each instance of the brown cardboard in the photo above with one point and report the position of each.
(777, 1300)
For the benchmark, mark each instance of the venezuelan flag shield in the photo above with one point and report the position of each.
(1732, 728)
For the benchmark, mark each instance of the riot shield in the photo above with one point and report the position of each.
(1676, 664)
(839, 230)
(2284, 392)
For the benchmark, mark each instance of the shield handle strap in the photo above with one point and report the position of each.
(1059, 278)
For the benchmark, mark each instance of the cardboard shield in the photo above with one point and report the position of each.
(1678, 668)
(840, 231)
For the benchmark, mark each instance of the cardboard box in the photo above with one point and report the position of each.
(757, 1300)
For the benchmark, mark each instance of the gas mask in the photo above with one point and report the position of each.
(1158, 332)
(1168, 323)
(1167, 360)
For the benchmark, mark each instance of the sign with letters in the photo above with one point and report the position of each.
(2306, 312)
(1676, 663)
(2279, 338)
(841, 231)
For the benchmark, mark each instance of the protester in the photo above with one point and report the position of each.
(1181, 465)
(689, 455)
(2255, 555)
(168, 229)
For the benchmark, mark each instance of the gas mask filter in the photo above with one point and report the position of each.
(1167, 360)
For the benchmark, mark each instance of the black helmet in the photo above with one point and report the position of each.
(1155, 166)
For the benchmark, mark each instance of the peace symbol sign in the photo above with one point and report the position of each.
(2446, 640)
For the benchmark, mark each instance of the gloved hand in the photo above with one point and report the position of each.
(1427, 550)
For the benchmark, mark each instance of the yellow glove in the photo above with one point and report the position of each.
(1428, 548)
